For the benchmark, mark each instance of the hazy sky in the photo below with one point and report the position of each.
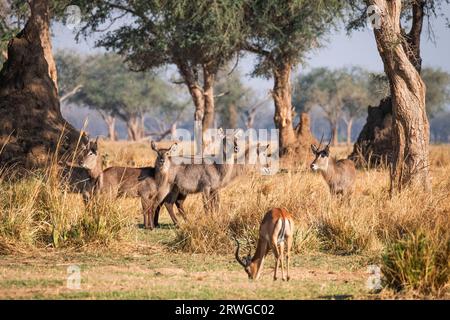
(340, 50)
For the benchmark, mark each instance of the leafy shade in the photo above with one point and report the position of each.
(285, 31)
(161, 32)
(233, 98)
(109, 86)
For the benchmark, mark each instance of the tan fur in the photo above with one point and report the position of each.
(339, 174)
(129, 182)
(269, 232)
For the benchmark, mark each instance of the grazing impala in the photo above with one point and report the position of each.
(277, 228)
(339, 174)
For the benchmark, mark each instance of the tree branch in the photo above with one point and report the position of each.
(71, 93)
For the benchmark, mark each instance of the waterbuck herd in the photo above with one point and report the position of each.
(170, 181)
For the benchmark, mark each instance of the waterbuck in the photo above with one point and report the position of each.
(277, 227)
(195, 178)
(128, 182)
(233, 171)
(79, 178)
(339, 174)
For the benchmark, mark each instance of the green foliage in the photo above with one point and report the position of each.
(169, 32)
(437, 83)
(234, 98)
(282, 32)
(438, 89)
(70, 68)
(342, 92)
(419, 262)
(109, 86)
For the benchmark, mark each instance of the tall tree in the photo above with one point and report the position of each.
(377, 141)
(116, 92)
(356, 94)
(410, 162)
(31, 123)
(70, 68)
(232, 98)
(281, 33)
(198, 37)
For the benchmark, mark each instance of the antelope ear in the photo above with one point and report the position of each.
(154, 146)
(173, 148)
(314, 148)
(94, 145)
(327, 150)
(238, 133)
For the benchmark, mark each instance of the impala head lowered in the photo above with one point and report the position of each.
(245, 261)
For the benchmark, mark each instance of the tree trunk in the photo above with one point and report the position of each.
(110, 121)
(374, 145)
(208, 92)
(410, 164)
(281, 94)
(134, 128)
(349, 124)
(43, 21)
(233, 116)
(190, 77)
(334, 134)
(31, 123)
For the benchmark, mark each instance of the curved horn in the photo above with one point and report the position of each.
(331, 139)
(320, 143)
(236, 254)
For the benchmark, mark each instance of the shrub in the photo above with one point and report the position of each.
(418, 261)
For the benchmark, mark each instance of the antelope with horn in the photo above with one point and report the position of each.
(277, 228)
(127, 181)
(339, 174)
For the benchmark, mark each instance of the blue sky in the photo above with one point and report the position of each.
(341, 50)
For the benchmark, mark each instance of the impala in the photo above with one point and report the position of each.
(277, 228)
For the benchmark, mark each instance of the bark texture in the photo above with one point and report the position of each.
(409, 162)
(111, 125)
(282, 97)
(135, 127)
(31, 124)
(374, 144)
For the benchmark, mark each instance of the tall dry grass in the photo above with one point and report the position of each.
(408, 234)
(370, 223)
(40, 211)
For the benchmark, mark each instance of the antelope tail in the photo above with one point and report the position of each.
(282, 233)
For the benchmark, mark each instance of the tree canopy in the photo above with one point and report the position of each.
(233, 98)
(285, 31)
(111, 88)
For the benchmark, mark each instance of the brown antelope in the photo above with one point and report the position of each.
(128, 182)
(80, 179)
(339, 174)
(237, 170)
(195, 178)
(277, 228)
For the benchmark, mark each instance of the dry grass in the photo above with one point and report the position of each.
(39, 212)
